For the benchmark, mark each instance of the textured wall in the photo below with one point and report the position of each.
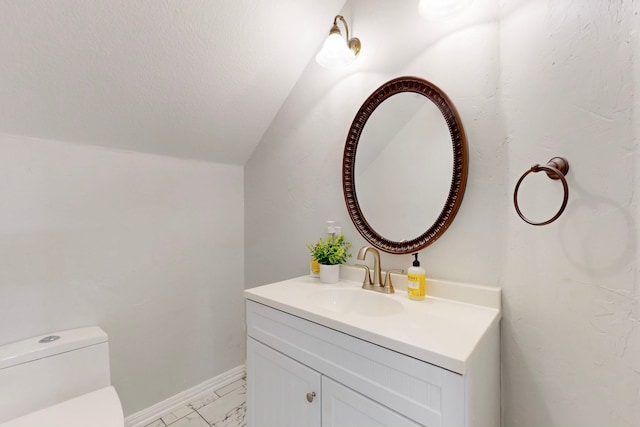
(150, 248)
(571, 338)
(535, 80)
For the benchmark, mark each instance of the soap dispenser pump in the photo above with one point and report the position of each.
(416, 280)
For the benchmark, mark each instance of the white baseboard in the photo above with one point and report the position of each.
(152, 413)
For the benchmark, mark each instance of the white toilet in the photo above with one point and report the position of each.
(59, 380)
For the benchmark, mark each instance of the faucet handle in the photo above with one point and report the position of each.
(366, 282)
(387, 280)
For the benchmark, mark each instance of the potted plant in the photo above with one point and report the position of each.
(330, 253)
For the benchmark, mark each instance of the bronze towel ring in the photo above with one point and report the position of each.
(555, 168)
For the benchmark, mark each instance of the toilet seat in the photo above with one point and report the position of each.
(100, 408)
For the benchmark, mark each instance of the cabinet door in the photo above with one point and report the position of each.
(280, 390)
(343, 407)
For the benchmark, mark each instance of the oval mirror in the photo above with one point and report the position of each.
(404, 168)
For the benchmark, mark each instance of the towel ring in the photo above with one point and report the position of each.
(555, 168)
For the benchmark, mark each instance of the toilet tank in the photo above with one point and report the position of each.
(42, 371)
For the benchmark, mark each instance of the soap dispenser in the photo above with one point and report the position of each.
(416, 280)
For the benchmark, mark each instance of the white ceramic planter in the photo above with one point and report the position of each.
(329, 273)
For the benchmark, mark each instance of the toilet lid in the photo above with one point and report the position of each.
(100, 408)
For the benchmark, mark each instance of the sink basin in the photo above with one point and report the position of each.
(358, 301)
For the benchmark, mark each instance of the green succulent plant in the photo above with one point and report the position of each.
(332, 251)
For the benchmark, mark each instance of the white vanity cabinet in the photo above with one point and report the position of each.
(285, 393)
(308, 368)
(343, 407)
(282, 392)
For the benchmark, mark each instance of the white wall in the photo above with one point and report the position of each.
(150, 248)
(571, 338)
(293, 179)
(531, 80)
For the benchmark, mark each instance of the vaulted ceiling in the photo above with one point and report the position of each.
(196, 79)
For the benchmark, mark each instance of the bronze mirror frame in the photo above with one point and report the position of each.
(460, 164)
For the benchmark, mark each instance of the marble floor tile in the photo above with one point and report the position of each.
(230, 387)
(228, 411)
(203, 400)
(224, 407)
(175, 415)
(235, 418)
(192, 420)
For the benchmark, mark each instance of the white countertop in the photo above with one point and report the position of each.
(443, 332)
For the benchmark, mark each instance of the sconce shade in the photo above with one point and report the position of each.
(338, 51)
(335, 53)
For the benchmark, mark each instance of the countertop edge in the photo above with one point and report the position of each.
(449, 363)
(455, 363)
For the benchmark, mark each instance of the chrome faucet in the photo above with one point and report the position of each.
(375, 284)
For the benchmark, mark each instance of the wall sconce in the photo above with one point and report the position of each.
(338, 52)
(435, 9)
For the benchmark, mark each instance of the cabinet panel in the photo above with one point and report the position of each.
(277, 390)
(343, 407)
(419, 390)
